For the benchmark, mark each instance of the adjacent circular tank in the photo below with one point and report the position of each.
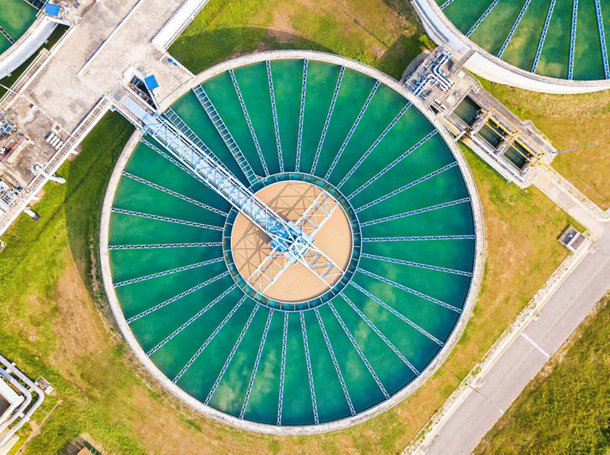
(16, 16)
(558, 46)
(23, 30)
(294, 355)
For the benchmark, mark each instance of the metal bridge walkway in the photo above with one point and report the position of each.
(287, 239)
(177, 140)
(38, 4)
(7, 36)
(225, 134)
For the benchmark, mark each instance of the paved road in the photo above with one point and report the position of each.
(521, 362)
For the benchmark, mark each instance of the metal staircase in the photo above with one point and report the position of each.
(291, 242)
(225, 134)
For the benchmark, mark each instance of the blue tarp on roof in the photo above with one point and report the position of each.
(51, 10)
(151, 82)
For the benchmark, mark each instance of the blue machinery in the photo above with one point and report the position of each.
(290, 242)
(430, 74)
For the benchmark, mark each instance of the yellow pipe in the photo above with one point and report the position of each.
(513, 135)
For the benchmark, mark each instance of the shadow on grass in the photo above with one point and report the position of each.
(87, 179)
(402, 8)
(398, 56)
(201, 51)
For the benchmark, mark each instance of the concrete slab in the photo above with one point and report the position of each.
(524, 358)
(575, 206)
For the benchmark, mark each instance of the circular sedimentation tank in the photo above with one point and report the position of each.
(564, 40)
(16, 16)
(293, 355)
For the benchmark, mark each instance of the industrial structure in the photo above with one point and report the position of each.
(20, 397)
(526, 44)
(25, 26)
(292, 243)
(514, 148)
(318, 232)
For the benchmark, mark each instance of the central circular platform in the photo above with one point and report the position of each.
(326, 222)
(388, 200)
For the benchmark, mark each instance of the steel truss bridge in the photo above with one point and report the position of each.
(291, 242)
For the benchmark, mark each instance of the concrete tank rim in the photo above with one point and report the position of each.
(491, 67)
(375, 410)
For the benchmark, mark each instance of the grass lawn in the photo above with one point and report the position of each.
(570, 121)
(387, 35)
(55, 322)
(566, 407)
(382, 33)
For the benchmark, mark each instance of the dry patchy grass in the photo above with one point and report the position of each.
(570, 121)
(382, 33)
(107, 394)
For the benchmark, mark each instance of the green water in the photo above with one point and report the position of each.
(15, 17)
(521, 49)
(467, 110)
(517, 155)
(222, 371)
(490, 135)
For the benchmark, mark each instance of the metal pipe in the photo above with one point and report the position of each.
(12, 368)
(24, 404)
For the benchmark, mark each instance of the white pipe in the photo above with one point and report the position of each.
(22, 407)
(10, 367)
(38, 168)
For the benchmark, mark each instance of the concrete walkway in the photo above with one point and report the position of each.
(521, 352)
(26, 46)
(523, 359)
(573, 202)
(112, 36)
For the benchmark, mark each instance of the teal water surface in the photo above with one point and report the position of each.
(556, 46)
(15, 18)
(340, 358)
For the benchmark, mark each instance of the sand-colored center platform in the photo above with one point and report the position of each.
(250, 246)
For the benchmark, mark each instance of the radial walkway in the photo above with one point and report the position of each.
(514, 27)
(545, 30)
(276, 126)
(38, 4)
(352, 129)
(192, 319)
(327, 121)
(602, 37)
(482, 18)
(257, 361)
(227, 138)
(6, 35)
(572, 39)
(182, 294)
(374, 145)
(301, 115)
(288, 241)
(249, 122)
